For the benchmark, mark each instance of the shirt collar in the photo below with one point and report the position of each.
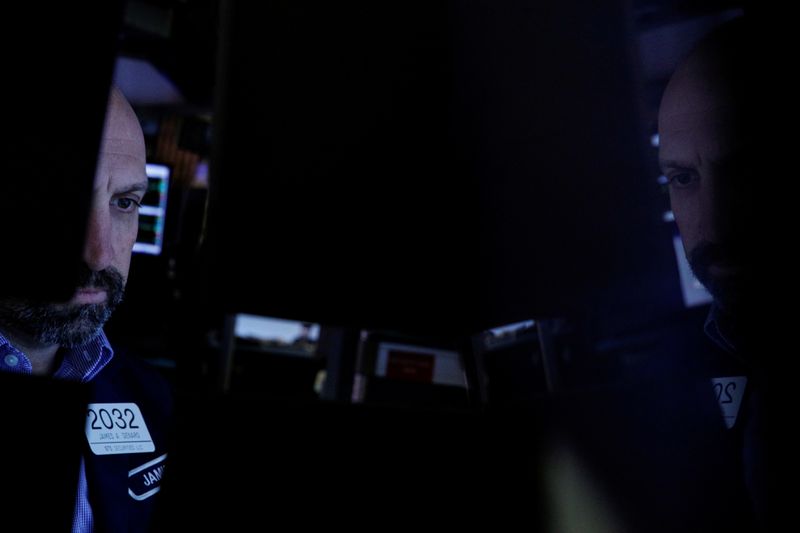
(79, 363)
(715, 329)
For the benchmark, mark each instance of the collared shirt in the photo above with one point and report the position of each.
(81, 364)
(715, 331)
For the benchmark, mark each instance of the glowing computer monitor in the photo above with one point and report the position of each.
(276, 335)
(152, 213)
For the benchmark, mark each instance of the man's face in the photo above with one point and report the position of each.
(119, 185)
(702, 155)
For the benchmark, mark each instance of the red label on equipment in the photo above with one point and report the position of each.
(410, 366)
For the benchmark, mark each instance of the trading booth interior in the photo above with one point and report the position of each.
(412, 263)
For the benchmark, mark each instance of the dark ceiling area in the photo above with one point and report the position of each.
(179, 39)
(649, 14)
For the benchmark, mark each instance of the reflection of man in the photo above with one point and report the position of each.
(66, 340)
(702, 154)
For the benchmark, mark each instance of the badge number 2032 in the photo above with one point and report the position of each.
(114, 428)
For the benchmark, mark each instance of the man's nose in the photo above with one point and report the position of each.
(97, 251)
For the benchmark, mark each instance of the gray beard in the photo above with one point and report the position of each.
(65, 325)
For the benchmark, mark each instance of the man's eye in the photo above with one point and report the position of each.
(126, 204)
(682, 179)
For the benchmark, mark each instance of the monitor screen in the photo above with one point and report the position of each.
(276, 335)
(152, 213)
(422, 364)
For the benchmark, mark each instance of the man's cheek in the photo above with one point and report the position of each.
(128, 234)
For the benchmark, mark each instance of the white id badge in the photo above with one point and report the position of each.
(113, 428)
(729, 392)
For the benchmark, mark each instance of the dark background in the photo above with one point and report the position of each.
(433, 169)
(425, 170)
(58, 70)
(429, 168)
(435, 165)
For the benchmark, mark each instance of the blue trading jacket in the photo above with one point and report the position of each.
(123, 488)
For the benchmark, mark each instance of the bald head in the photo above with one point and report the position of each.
(122, 132)
(702, 150)
(711, 78)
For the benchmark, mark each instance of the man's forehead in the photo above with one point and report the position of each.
(120, 163)
(720, 121)
(123, 146)
(690, 100)
(121, 131)
(686, 141)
